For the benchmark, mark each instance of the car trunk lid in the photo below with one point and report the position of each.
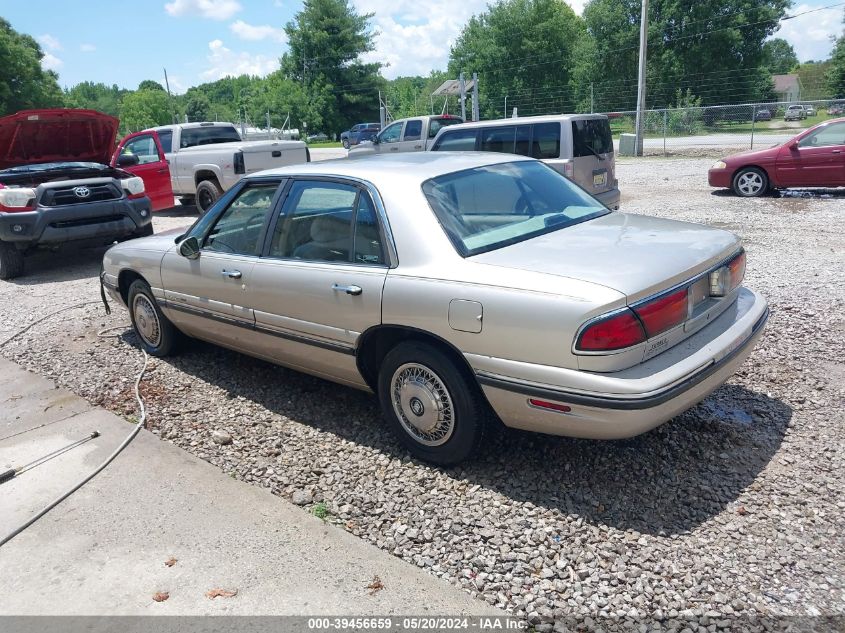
(633, 254)
(56, 135)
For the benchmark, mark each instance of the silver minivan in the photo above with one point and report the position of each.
(579, 146)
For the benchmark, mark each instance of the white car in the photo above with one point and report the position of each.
(456, 286)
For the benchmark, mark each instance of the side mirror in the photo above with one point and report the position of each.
(190, 248)
(127, 160)
(792, 145)
(375, 140)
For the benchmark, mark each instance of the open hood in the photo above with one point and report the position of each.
(48, 136)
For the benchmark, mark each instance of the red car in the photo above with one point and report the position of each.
(814, 158)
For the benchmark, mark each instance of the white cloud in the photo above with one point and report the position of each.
(49, 42)
(415, 37)
(87, 48)
(51, 62)
(212, 9)
(227, 63)
(810, 34)
(257, 32)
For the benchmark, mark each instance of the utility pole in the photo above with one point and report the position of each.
(505, 111)
(169, 97)
(592, 103)
(463, 87)
(641, 78)
(476, 111)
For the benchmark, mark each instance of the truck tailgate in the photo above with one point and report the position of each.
(263, 156)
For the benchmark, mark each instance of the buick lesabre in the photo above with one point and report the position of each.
(456, 287)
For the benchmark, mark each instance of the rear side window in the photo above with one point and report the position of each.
(165, 137)
(591, 137)
(456, 141)
(208, 135)
(546, 141)
(498, 139)
(413, 131)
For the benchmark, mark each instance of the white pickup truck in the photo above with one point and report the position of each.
(203, 159)
(405, 135)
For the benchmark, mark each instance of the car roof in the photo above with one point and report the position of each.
(553, 118)
(411, 166)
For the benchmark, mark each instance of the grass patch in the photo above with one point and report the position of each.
(321, 511)
(326, 144)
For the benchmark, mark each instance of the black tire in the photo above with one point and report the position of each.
(11, 261)
(157, 335)
(208, 191)
(345, 143)
(750, 182)
(432, 382)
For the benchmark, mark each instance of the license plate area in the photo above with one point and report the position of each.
(599, 177)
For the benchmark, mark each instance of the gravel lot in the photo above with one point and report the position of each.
(734, 508)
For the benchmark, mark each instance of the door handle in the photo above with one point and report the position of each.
(350, 290)
(417, 146)
(231, 274)
(394, 149)
(836, 151)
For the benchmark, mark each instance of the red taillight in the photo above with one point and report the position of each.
(553, 406)
(663, 313)
(737, 268)
(614, 332)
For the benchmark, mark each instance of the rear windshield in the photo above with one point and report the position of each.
(208, 135)
(490, 207)
(435, 124)
(591, 137)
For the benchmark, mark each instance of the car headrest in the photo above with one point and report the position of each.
(327, 228)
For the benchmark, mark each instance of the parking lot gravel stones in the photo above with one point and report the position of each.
(734, 509)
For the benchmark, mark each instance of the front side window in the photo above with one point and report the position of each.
(239, 227)
(825, 136)
(498, 139)
(413, 131)
(490, 207)
(327, 222)
(591, 137)
(391, 133)
(144, 147)
(456, 141)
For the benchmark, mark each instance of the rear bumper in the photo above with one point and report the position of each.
(609, 198)
(719, 178)
(94, 221)
(627, 403)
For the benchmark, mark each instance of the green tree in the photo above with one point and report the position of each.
(779, 56)
(23, 82)
(326, 40)
(712, 47)
(149, 84)
(522, 49)
(196, 106)
(96, 96)
(143, 109)
(836, 73)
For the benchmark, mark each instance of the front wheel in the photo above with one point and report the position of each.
(750, 182)
(208, 191)
(11, 261)
(346, 143)
(158, 336)
(433, 406)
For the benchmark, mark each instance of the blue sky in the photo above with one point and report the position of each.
(202, 40)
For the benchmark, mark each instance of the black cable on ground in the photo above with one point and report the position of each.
(110, 458)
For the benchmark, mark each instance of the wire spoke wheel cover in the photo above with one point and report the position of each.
(146, 320)
(423, 404)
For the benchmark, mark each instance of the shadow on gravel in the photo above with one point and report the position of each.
(664, 482)
(64, 265)
(815, 194)
(179, 211)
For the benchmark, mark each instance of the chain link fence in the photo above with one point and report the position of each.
(741, 126)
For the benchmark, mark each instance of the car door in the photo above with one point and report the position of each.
(319, 284)
(208, 296)
(816, 159)
(389, 138)
(142, 154)
(412, 140)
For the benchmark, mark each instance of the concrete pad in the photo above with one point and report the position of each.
(103, 551)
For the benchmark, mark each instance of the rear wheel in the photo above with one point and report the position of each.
(208, 191)
(433, 406)
(158, 336)
(750, 182)
(11, 261)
